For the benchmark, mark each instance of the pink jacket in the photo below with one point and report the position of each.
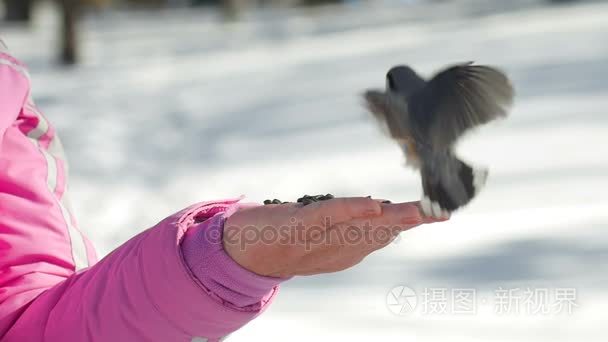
(165, 284)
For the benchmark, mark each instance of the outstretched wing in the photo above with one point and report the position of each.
(391, 111)
(459, 98)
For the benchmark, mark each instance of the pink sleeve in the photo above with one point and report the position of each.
(14, 87)
(142, 291)
(234, 285)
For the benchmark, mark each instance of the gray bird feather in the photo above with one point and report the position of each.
(458, 99)
(426, 118)
(389, 111)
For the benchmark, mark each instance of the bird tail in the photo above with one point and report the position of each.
(450, 186)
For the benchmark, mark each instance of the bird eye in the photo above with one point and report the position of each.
(390, 81)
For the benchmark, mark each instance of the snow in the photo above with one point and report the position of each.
(174, 107)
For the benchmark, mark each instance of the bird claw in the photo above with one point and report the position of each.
(433, 209)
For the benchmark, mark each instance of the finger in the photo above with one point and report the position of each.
(443, 218)
(339, 210)
(368, 234)
(381, 200)
(397, 215)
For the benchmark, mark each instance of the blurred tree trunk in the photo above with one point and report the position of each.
(18, 10)
(69, 39)
(233, 8)
(320, 2)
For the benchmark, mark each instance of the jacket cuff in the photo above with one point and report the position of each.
(203, 252)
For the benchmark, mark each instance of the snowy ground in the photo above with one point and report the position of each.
(175, 108)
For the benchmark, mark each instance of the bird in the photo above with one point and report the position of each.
(427, 117)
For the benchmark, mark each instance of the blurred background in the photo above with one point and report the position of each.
(163, 103)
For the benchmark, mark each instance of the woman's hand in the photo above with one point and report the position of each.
(290, 239)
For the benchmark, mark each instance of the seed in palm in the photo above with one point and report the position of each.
(274, 201)
(306, 199)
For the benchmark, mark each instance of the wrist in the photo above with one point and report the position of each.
(217, 271)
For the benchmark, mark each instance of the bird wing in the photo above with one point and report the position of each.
(459, 98)
(390, 111)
